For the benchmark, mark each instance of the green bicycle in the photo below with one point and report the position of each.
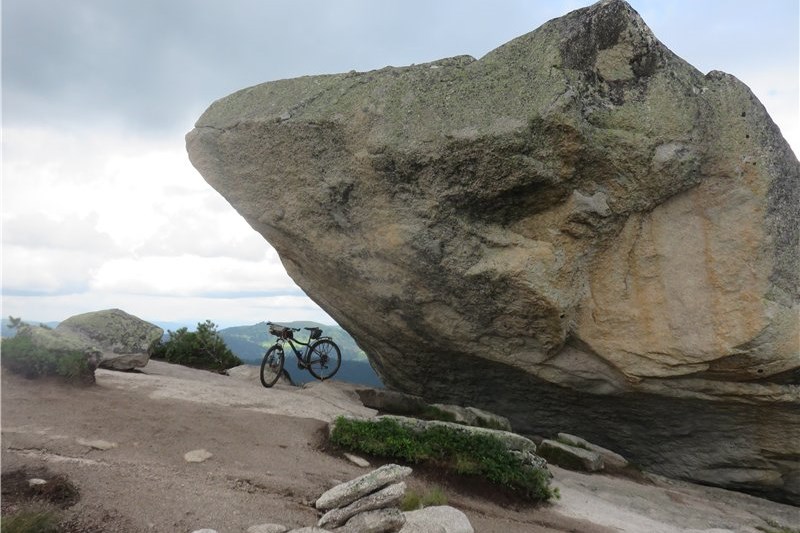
(321, 356)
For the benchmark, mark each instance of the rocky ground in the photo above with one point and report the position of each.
(124, 443)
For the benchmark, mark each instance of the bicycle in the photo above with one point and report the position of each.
(321, 357)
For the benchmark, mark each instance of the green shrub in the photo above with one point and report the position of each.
(21, 356)
(203, 348)
(458, 451)
(33, 518)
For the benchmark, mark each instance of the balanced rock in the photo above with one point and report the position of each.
(579, 231)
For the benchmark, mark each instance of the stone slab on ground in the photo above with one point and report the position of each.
(350, 491)
(387, 497)
(570, 457)
(380, 521)
(610, 458)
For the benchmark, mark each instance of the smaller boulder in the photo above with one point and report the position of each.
(110, 339)
(122, 340)
(570, 457)
(437, 519)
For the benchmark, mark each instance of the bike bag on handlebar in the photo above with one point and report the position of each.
(280, 331)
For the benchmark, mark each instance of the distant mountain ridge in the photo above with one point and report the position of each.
(250, 343)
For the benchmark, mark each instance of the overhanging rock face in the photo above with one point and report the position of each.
(579, 231)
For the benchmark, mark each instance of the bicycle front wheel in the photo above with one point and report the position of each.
(324, 359)
(272, 366)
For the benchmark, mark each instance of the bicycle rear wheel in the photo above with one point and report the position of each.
(272, 366)
(324, 359)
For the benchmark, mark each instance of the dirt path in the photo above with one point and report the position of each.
(122, 442)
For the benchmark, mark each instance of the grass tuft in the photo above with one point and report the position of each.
(457, 451)
(414, 500)
(32, 518)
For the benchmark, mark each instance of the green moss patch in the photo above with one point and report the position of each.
(456, 451)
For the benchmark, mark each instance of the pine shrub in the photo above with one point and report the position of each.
(203, 348)
(21, 356)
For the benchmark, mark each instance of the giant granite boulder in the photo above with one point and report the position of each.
(111, 338)
(580, 231)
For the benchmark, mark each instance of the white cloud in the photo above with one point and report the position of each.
(66, 232)
(116, 215)
(188, 310)
(779, 90)
(47, 271)
(190, 275)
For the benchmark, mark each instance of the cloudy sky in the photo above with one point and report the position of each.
(100, 206)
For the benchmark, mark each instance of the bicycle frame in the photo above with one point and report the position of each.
(302, 358)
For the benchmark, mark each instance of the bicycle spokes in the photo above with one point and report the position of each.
(324, 359)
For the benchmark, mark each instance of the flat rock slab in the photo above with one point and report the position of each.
(351, 491)
(610, 458)
(98, 444)
(356, 460)
(380, 521)
(570, 457)
(197, 456)
(268, 528)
